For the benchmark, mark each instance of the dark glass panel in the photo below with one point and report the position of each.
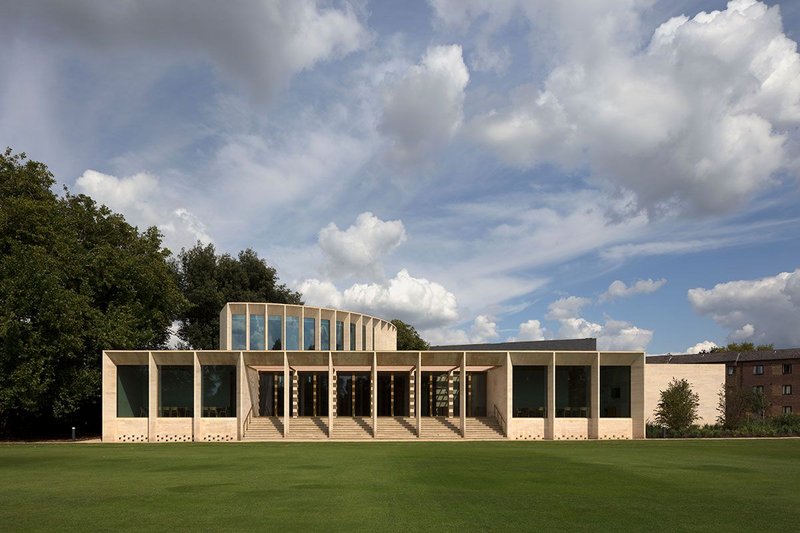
(572, 391)
(309, 333)
(257, 332)
(132, 391)
(219, 390)
(275, 331)
(239, 332)
(615, 391)
(176, 390)
(529, 392)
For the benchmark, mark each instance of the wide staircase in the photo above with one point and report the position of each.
(483, 428)
(397, 427)
(352, 428)
(440, 427)
(308, 428)
(264, 428)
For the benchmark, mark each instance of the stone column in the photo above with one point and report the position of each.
(240, 385)
(418, 393)
(295, 404)
(152, 397)
(594, 398)
(198, 399)
(331, 395)
(287, 407)
(450, 394)
(550, 421)
(462, 394)
(374, 379)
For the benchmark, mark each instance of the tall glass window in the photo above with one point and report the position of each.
(132, 391)
(615, 391)
(238, 332)
(353, 337)
(292, 333)
(309, 333)
(257, 332)
(325, 334)
(176, 390)
(275, 331)
(219, 390)
(572, 391)
(339, 335)
(529, 392)
(363, 337)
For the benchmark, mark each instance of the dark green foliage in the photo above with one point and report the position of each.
(75, 279)
(742, 347)
(208, 281)
(677, 409)
(785, 425)
(408, 338)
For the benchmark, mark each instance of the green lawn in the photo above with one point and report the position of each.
(465, 486)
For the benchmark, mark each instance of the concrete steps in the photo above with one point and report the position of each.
(352, 428)
(264, 428)
(440, 427)
(483, 428)
(308, 428)
(397, 427)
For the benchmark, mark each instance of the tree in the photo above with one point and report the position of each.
(208, 281)
(677, 408)
(75, 279)
(408, 338)
(742, 347)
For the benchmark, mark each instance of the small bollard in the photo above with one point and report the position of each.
(73, 432)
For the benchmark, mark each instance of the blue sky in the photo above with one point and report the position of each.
(485, 170)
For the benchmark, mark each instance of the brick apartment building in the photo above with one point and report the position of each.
(774, 372)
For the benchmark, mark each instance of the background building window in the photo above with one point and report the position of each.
(176, 390)
(572, 391)
(529, 392)
(309, 333)
(339, 335)
(731, 370)
(758, 389)
(787, 368)
(219, 390)
(238, 332)
(353, 337)
(132, 391)
(787, 409)
(292, 333)
(275, 331)
(758, 370)
(325, 334)
(615, 391)
(787, 390)
(257, 332)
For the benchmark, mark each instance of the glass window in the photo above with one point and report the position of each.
(257, 332)
(759, 389)
(176, 390)
(292, 333)
(339, 335)
(787, 368)
(325, 334)
(219, 390)
(787, 390)
(572, 391)
(787, 409)
(275, 331)
(363, 337)
(615, 391)
(529, 391)
(132, 391)
(352, 337)
(309, 333)
(731, 370)
(238, 332)
(758, 370)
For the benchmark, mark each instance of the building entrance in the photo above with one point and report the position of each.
(353, 394)
(312, 393)
(434, 394)
(393, 394)
(270, 394)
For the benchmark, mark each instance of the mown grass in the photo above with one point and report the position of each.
(717, 485)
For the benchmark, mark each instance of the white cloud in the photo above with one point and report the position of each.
(360, 248)
(262, 44)
(707, 107)
(140, 199)
(618, 289)
(569, 306)
(417, 301)
(424, 108)
(705, 346)
(762, 311)
(483, 329)
(620, 335)
(531, 330)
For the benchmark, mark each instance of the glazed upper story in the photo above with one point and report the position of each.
(263, 326)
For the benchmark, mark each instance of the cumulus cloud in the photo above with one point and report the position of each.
(417, 301)
(705, 346)
(139, 198)
(262, 44)
(761, 311)
(618, 289)
(424, 108)
(483, 329)
(566, 307)
(360, 248)
(700, 119)
(531, 330)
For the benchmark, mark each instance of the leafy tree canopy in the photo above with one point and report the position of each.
(742, 347)
(208, 281)
(75, 279)
(408, 338)
(677, 408)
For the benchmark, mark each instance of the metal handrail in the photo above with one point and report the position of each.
(247, 418)
(499, 416)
